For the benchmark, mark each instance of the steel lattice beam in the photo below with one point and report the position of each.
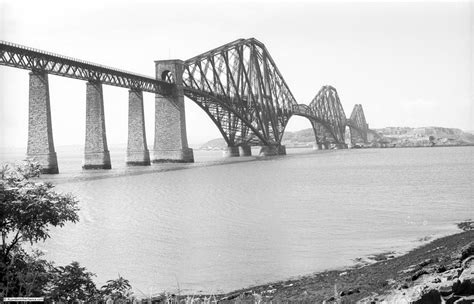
(358, 125)
(22, 57)
(240, 88)
(327, 115)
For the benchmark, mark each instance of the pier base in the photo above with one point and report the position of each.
(231, 152)
(245, 150)
(317, 146)
(272, 150)
(96, 152)
(137, 150)
(40, 131)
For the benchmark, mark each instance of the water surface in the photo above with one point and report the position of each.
(214, 226)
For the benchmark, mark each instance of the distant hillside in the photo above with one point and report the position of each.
(302, 138)
(426, 136)
(395, 136)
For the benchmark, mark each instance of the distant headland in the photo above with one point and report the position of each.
(393, 137)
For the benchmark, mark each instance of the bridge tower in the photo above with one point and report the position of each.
(171, 143)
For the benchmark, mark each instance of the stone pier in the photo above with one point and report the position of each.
(231, 152)
(317, 146)
(40, 131)
(245, 150)
(96, 152)
(272, 150)
(137, 150)
(171, 143)
(340, 146)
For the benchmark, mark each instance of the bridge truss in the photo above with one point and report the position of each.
(239, 86)
(23, 57)
(358, 125)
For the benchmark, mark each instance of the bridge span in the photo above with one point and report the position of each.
(238, 85)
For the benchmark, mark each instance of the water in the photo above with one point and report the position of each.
(215, 226)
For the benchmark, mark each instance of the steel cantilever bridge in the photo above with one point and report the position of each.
(241, 89)
(238, 85)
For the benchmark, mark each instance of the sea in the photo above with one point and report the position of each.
(221, 224)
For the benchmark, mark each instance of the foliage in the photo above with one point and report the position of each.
(72, 282)
(119, 288)
(27, 209)
(26, 274)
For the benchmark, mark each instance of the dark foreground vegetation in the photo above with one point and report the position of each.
(28, 209)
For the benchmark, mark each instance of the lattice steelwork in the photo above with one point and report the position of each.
(241, 89)
(358, 125)
(329, 116)
(23, 57)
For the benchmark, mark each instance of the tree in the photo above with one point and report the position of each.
(28, 208)
(73, 283)
(119, 289)
(26, 274)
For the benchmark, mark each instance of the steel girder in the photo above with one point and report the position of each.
(328, 115)
(358, 125)
(241, 89)
(23, 57)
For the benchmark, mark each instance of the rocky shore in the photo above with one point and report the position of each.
(441, 271)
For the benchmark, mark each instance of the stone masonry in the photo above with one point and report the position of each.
(171, 143)
(96, 152)
(137, 150)
(40, 131)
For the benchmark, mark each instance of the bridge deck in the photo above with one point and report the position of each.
(23, 57)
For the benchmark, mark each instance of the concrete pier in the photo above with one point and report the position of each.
(324, 146)
(96, 152)
(137, 150)
(245, 150)
(317, 146)
(171, 143)
(40, 131)
(272, 150)
(231, 152)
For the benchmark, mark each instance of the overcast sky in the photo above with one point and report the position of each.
(407, 63)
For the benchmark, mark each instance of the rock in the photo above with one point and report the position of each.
(351, 291)
(451, 299)
(425, 262)
(428, 297)
(447, 289)
(467, 251)
(464, 287)
(418, 274)
(467, 274)
(468, 262)
(465, 300)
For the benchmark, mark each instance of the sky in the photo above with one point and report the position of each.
(408, 63)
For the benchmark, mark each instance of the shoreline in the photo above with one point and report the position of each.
(382, 281)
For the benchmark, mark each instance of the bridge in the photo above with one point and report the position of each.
(238, 85)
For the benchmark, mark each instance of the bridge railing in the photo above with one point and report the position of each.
(19, 56)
